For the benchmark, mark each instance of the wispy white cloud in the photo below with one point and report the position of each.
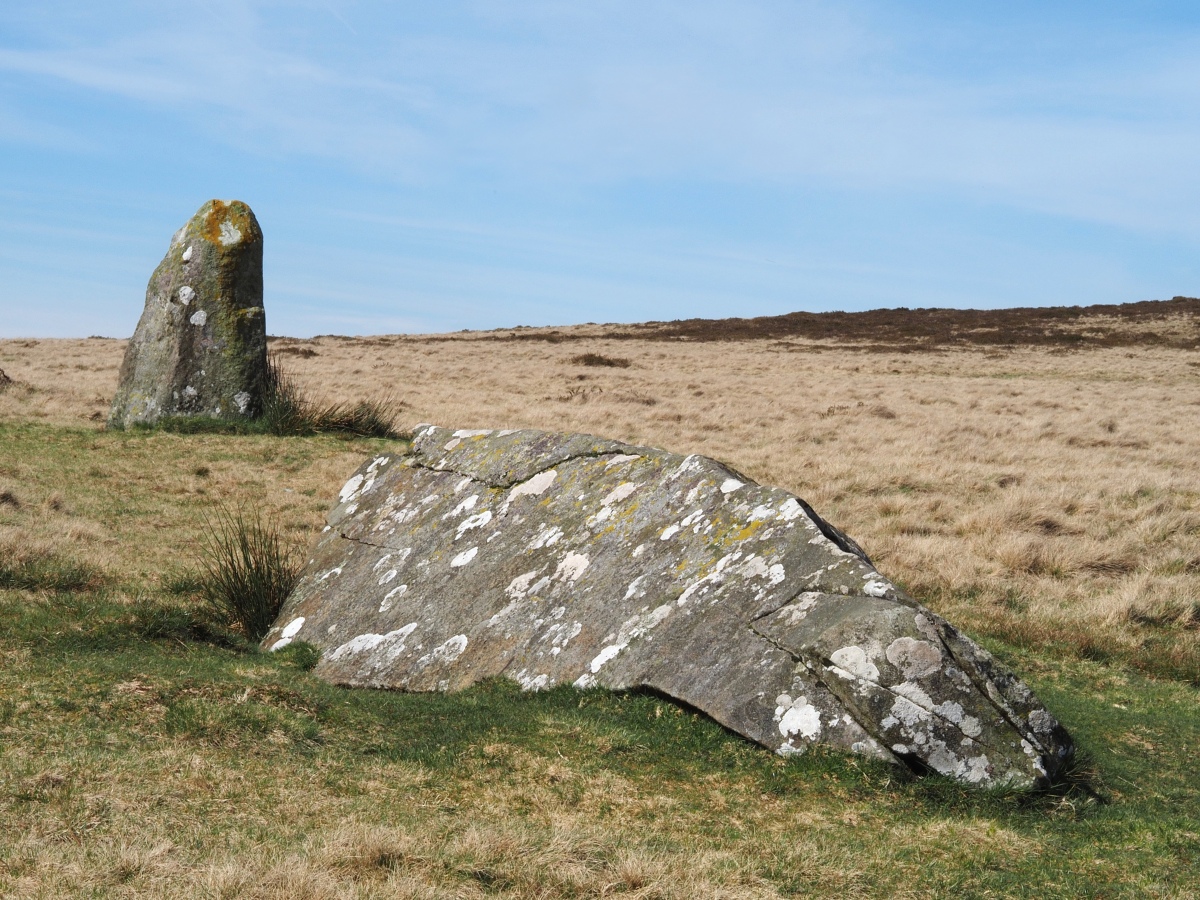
(782, 93)
(564, 109)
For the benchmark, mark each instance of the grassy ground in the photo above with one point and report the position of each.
(1043, 497)
(146, 755)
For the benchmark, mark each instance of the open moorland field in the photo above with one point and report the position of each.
(1032, 475)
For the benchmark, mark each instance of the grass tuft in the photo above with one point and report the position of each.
(599, 359)
(298, 655)
(286, 411)
(47, 573)
(248, 572)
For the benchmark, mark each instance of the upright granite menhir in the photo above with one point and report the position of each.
(551, 558)
(200, 348)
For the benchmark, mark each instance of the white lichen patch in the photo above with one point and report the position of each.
(383, 648)
(952, 711)
(619, 493)
(242, 401)
(476, 521)
(797, 716)
(390, 597)
(547, 536)
(669, 532)
(445, 653)
(559, 635)
(855, 661)
(608, 653)
(463, 558)
(1042, 722)
(905, 712)
(186, 294)
(877, 588)
(915, 659)
(533, 487)
(619, 459)
(729, 485)
(796, 611)
(913, 692)
(466, 505)
(187, 254)
(571, 567)
(290, 630)
(633, 587)
(472, 432)
(350, 488)
(790, 509)
(518, 587)
(530, 682)
(714, 578)
(199, 317)
(229, 233)
(387, 576)
(761, 512)
(690, 464)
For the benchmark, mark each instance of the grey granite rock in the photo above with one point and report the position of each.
(200, 347)
(551, 558)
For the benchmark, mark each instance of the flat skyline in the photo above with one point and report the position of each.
(423, 168)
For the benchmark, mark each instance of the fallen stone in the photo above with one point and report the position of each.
(552, 558)
(200, 348)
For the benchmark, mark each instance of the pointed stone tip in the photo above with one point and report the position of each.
(226, 222)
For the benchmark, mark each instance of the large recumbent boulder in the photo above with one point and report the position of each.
(552, 558)
(200, 348)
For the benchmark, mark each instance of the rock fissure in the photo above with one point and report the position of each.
(890, 689)
(1053, 737)
(509, 485)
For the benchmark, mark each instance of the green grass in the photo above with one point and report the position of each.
(47, 574)
(146, 751)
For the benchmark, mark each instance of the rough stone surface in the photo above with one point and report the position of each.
(200, 347)
(551, 558)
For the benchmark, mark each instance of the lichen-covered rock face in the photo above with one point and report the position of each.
(549, 558)
(200, 347)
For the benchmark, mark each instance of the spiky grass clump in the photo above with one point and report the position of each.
(286, 411)
(248, 572)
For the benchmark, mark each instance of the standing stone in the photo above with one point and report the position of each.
(555, 558)
(200, 348)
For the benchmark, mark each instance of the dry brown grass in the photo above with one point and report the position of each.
(1025, 491)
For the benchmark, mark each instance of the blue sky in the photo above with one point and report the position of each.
(436, 166)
